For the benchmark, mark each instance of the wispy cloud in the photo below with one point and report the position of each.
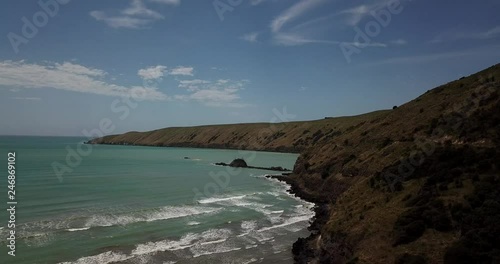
(297, 35)
(462, 35)
(120, 21)
(136, 16)
(315, 21)
(289, 39)
(79, 78)
(69, 77)
(257, 2)
(192, 85)
(181, 70)
(293, 39)
(293, 13)
(356, 14)
(159, 71)
(138, 8)
(313, 30)
(152, 73)
(79, 69)
(219, 93)
(168, 2)
(250, 37)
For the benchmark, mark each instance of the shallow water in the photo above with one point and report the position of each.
(149, 205)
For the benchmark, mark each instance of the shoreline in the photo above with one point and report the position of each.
(301, 250)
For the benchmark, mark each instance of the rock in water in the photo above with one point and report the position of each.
(238, 163)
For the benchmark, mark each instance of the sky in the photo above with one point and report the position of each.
(73, 67)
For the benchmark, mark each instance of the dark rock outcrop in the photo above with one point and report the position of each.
(241, 163)
(238, 163)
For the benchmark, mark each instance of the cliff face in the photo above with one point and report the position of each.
(418, 184)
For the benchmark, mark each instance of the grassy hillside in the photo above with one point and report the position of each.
(418, 184)
(281, 137)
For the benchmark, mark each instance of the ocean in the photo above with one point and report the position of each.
(132, 204)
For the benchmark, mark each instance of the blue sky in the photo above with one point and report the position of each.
(145, 64)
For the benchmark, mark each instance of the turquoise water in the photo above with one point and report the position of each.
(124, 204)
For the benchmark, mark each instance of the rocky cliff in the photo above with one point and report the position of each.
(419, 184)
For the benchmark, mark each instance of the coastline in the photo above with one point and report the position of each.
(300, 249)
(382, 168)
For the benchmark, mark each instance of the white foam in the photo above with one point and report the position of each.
(77, 229)
(103, 258)
(288, 222)
(213, 242)
(176, 212)
(214, 234)
(222, 199)
(285, 188)
(250, 261)
(275, 194)
(218, 251)
(248, 225)
(243, 234)
(209, 237)
(264, 239)
(258, 207)
(160, 246)
(165, 213)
